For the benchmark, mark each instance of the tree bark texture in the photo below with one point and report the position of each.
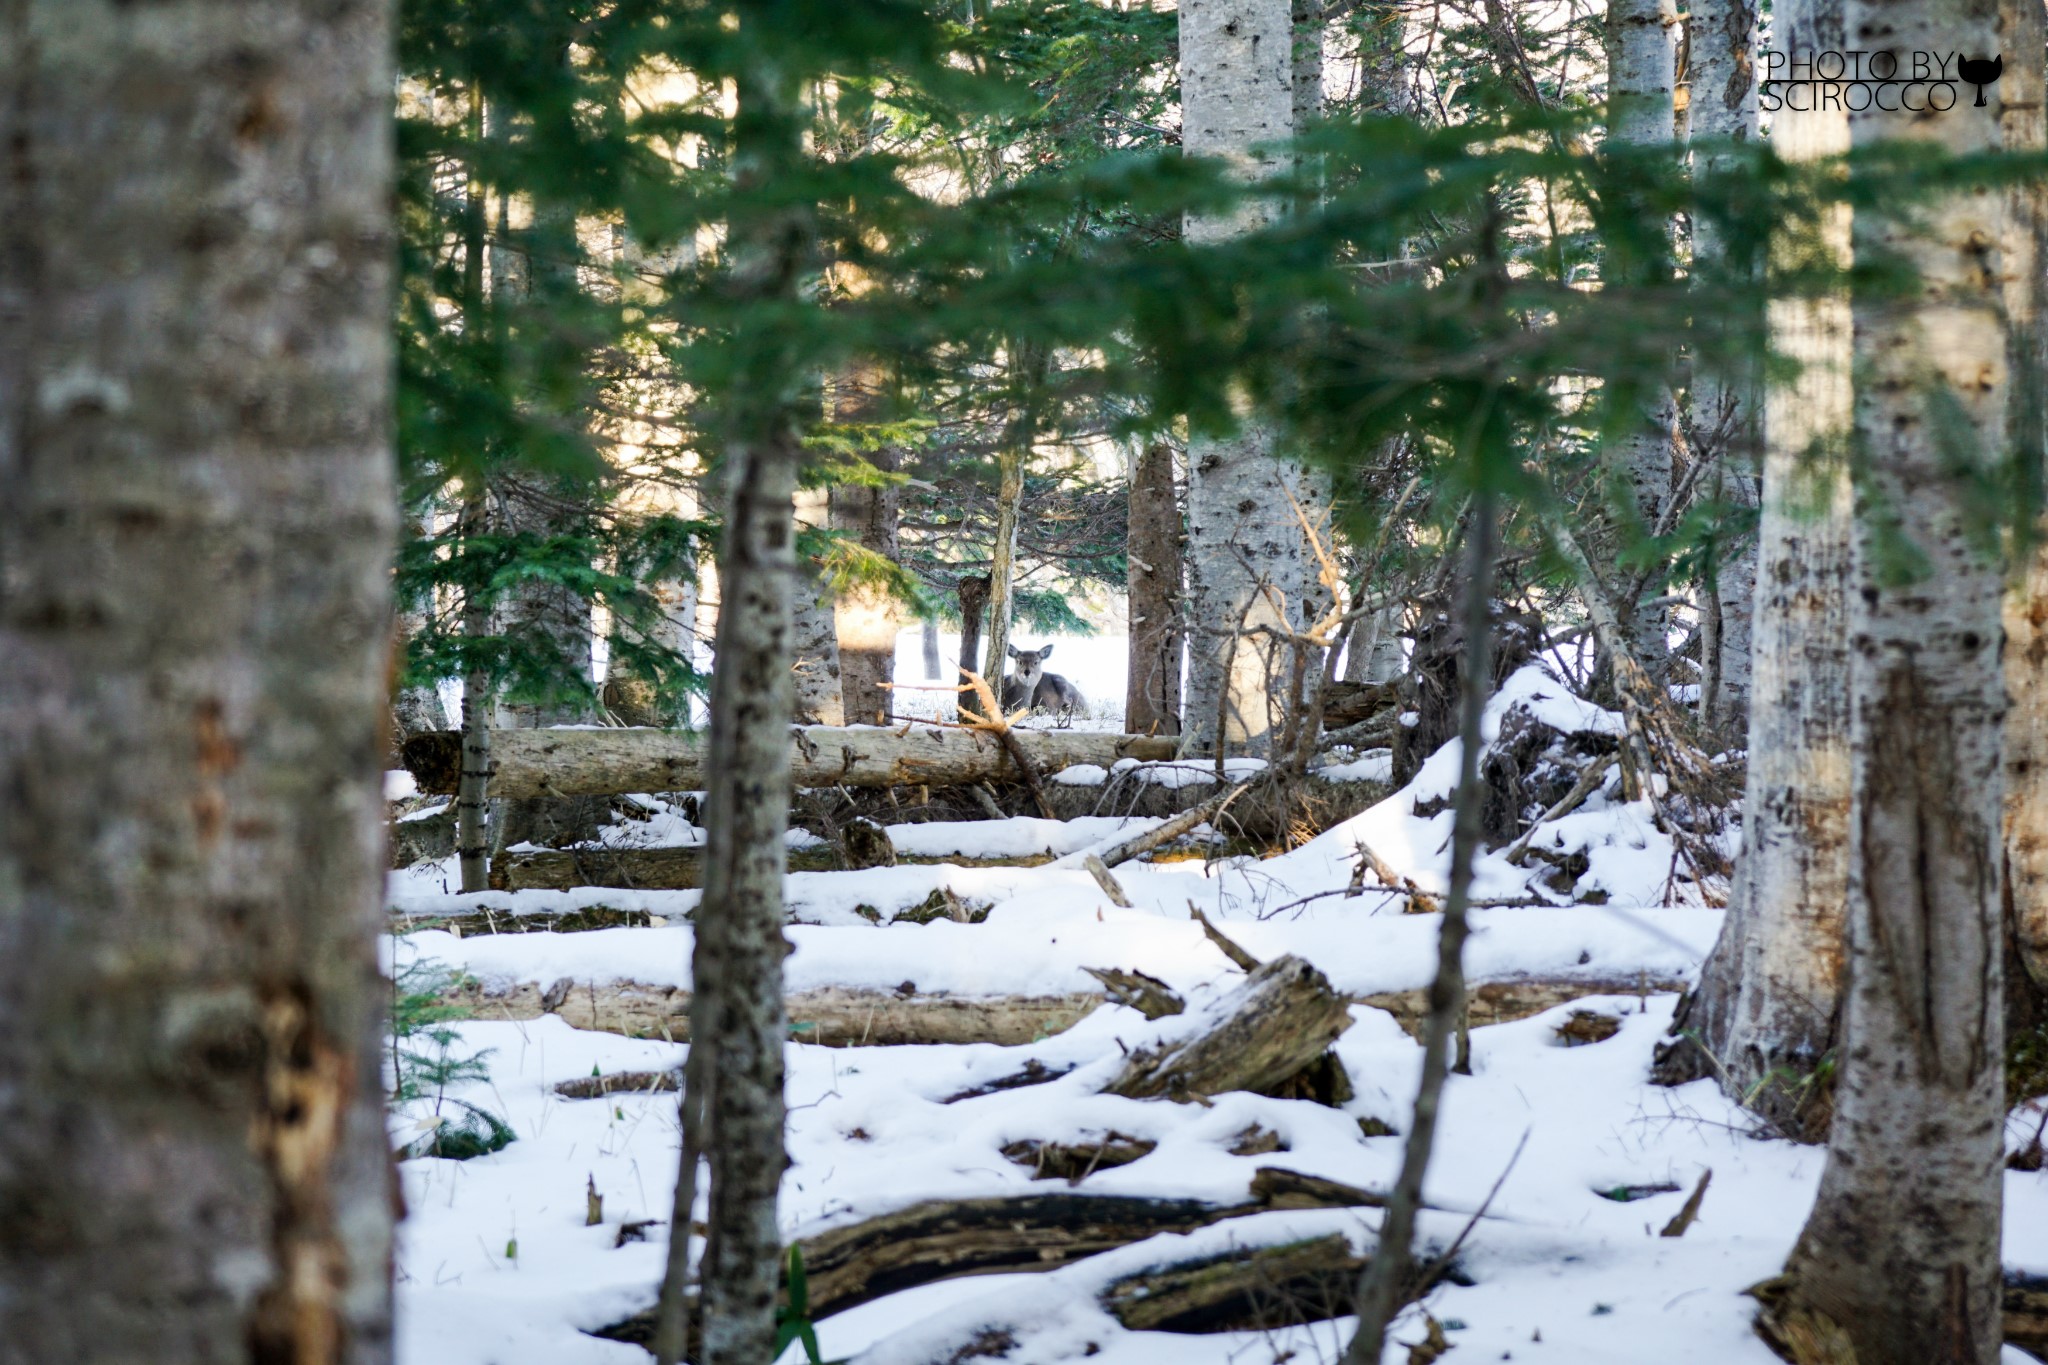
(1641, 82)
(1152, 695)
(2026, 600)
(1765, 1013)
(1901, 1253)
(867, 617)
(600, 762)
(1725, 422)
(195, 636)
(1249, 563)
(820, 699)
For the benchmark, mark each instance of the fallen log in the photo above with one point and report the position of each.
(1255, 1289)
(1505, 1002)
(531, 763)
(2026, 1312)
(680, 869)
(1264, 1033)
(954, 1238)
(831, 1017)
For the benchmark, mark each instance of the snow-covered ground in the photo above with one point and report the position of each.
(497, 1266)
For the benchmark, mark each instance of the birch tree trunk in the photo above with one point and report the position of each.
(1249, 563)
(1766, 1011)
(1899, 1260)
(2026, 599)
(1152, 694)
(1027, 373)
(1641, 82)
(819, 699)
(195, 632)
(1722, 108)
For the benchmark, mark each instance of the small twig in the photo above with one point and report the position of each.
(1684, 1219)
(1589, 781)
(1443, 1262)
(1230, 950)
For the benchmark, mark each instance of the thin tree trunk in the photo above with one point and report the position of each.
(1152, 694)
(195, 637)
(2026, 599)
(973, 593)
(472, 835)
(1764, 1016)
(1384, 1287)
(819, 699)
(934, 664)
(737, 1012)
(1642, 48)
(1249, 563)
(1899, 1260)
(1027, 372)
(1723, 109)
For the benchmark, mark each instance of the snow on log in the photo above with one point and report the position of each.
(605, 761)
(949, 1239)
(1262, 1034)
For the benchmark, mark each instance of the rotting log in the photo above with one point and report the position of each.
(954, 1238)
(531, 763)
(1267, 1031)
(2026, 1312)
(677, 869)
(488, 919)
(1505, 1002)
(1243, 1289)
(830, 1017)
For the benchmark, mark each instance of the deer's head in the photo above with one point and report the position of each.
(1030, 663)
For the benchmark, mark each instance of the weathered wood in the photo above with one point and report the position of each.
(1267, 1031)
(1243, 1290)
(1148, 995)
(677, 869)
(832, 1017)
(529, 763)
(954, 1238)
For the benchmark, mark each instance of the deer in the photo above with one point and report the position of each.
(1032, 686)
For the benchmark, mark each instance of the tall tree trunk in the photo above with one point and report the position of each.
(1372, 647)
(868, 616)
(1152, 694)
(1027, 373)
(2026, 599)
(195, 635)
(819, 700)
(934, 665)
(1899, 1260)
(1641, 80)
(415, 707)
(1722, 108)
(479, 710)
(1765, 1013)
(736, 1016)
(1249, 562)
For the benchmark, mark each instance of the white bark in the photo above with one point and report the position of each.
(1249, 564)
(1642, 45)
(1722, 107)
(1901, 1253)
(1766, 1008)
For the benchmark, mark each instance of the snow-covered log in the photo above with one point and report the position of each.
(1266, 1032)
(529, 763)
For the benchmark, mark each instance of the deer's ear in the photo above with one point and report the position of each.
(1012, 649)
(1045, 653)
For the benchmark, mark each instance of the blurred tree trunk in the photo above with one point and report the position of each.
(1152, 694)
(868, 616)
(1027, 375)
(1765, 1013)
(1249, 563)
(1899, 1260)
(973, 592)
(195, 638)
(2026, 599)
(934, 665)
(1721, 109)
(1642, 44)
(819, 699)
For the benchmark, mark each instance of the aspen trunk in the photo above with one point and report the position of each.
(1152, 695)
(1249, 563)
(2026, 601)
(973, 593)
(934, 665)
(1765, 1012)
(1641, 80)
(1027, 370)
(819, 697)
(195, 634)
(1900, 1257)
(1722, 108)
